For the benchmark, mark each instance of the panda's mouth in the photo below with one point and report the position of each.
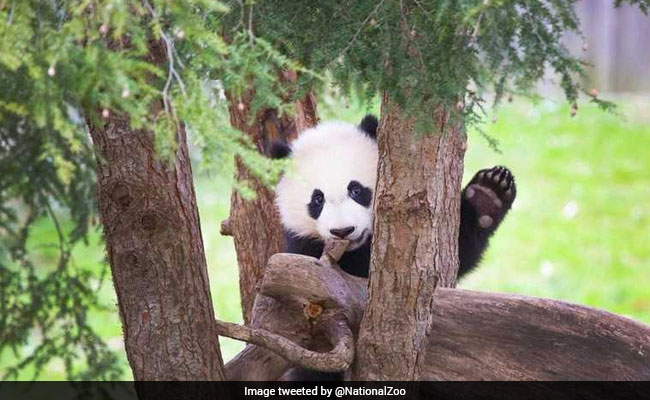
(356, 243)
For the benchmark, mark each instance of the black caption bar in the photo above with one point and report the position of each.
(323, 390)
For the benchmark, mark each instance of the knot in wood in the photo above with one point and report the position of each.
(145, 317)
(131, 266)
(149, 221)
(226, 227)
(313, 310)
(121, 196)
(130, 259)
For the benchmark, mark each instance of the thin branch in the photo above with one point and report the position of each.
(336, 329)
(417, 3)
(250, 24)
(10, 17)
(333, 250)
(172, 73)
(486, 3)
(170, 55)
(354, 37)
(241, 16)
(63, 256)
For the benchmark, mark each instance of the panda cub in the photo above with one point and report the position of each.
(328, 193)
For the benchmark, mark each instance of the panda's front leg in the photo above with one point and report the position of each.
(484, 203)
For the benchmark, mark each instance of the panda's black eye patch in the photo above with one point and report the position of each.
(359, 193)
(315, 206)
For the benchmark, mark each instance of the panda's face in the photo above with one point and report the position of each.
(343, 213)
(328, 191)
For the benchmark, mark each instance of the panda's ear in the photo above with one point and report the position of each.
(369, 125)
(279, 149)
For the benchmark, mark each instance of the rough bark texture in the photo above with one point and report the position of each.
(474, 335)
(254, 223)
(495, 336)
(415, 243)
(257, 234)
(154, 245)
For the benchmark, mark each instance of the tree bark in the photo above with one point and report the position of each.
(254, 223)
(497, 336)
(415, 242)
(154, 245)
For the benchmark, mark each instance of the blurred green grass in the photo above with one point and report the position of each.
(578, 230)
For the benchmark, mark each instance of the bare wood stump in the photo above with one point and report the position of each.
(303, 315)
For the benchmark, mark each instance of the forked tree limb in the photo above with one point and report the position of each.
(291, 277)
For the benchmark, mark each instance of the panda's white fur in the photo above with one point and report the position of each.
(327, 157)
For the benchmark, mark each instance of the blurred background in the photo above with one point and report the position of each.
(579, 229)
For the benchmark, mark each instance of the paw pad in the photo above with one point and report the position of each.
(491, 193)
(485, 221)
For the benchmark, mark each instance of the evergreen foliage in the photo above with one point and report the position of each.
(68, 62)
(431, 53)
(64, 63)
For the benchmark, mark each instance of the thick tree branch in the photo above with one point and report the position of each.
(322, 298)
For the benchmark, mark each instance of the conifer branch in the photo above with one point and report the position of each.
(250, 24)
(356, 34)
(486, 4)
(172, 73)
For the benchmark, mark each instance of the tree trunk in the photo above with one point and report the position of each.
(154, 245)
(254, 223)
(415, 242)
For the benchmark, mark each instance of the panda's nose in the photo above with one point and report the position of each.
(342, 233)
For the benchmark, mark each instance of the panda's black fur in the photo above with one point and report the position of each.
(355, 262)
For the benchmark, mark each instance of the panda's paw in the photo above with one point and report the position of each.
(491, 193)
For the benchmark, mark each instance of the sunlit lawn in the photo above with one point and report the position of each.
(579, 230)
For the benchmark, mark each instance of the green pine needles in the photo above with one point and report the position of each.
(431, 53)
